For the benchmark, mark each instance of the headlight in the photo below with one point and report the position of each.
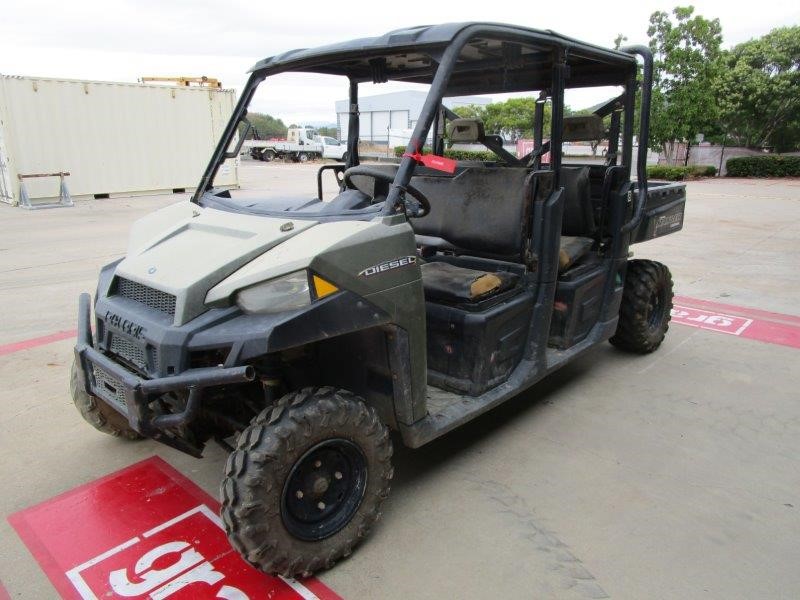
(277, 295)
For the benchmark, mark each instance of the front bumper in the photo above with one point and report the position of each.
(131, 395)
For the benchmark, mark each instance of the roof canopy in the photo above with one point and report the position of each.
(497, 58)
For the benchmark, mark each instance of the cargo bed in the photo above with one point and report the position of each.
(663, 213)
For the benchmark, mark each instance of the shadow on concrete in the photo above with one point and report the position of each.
(413, 465)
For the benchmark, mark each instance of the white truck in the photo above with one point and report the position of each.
(301, 145)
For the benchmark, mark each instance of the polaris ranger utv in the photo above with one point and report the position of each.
(421, 296)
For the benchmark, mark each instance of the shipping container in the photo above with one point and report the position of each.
(112, 138)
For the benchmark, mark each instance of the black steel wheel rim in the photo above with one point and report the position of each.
(324, 489)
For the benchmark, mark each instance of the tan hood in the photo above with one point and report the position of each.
(185, 249)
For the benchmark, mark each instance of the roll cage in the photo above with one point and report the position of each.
(467, 58)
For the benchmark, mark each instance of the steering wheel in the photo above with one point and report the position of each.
(366, 171)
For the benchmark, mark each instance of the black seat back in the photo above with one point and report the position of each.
(578, 212)
(483, 211)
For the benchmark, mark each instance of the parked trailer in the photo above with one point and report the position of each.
(111, 138)
(301, 145)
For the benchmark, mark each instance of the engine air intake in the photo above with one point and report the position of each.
(152, 298)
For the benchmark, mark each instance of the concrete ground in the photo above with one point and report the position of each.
(673, 475)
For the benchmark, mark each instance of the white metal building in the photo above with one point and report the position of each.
(395, 111)
(112, 138)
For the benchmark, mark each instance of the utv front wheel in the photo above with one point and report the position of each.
(97, 413)
(646, 304)
(306, 481)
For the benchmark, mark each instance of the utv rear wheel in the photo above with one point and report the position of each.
(306, 481)
(646, 304)
(97, 412)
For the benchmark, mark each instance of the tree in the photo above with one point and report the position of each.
(687, 54)
(512, 119)
(267, 125)
(328, 131)
(471, 111)
(759, 91)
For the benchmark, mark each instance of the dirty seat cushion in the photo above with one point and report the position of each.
(444, 282)
(572, 249)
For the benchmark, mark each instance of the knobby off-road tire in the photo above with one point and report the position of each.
(97, 412)
(646, 304)
(288, 462)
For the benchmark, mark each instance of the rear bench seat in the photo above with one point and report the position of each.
(484, 211)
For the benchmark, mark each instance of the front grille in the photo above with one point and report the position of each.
(152, 298)
(108, 388)
(129, 351)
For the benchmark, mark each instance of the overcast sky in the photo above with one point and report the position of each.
(123, 40)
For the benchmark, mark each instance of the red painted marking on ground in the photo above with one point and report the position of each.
(145, 532)
(713, 321)
(4, 595)
(750, 323)
(774, 333)
(746, 311)
(39, 341)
